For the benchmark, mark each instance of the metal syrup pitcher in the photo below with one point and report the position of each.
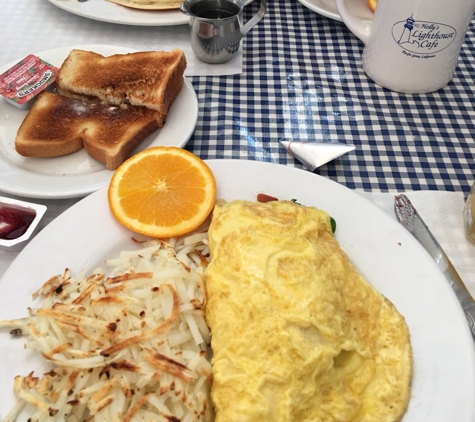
(217, 27)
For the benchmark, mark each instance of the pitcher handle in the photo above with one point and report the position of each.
(255, 19)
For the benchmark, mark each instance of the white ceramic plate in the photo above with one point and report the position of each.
(105, 11)
(78, 174)
(383, 251)
(328, 8)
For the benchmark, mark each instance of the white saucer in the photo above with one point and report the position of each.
(328, 8)
(105, 11)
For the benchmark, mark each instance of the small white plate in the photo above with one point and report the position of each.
(78, 174)
(105, 11)
(386, 254)
(328, 8)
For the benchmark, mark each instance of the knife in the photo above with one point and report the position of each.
(408, 216)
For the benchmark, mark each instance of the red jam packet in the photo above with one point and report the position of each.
(21, 84)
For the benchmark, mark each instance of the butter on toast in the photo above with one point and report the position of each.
(58, 125)
(151, 79)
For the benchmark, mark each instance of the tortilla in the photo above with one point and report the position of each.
(149, 4)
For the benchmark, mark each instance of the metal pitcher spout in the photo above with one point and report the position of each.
(185, 8)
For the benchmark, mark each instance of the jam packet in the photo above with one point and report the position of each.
(21, 84)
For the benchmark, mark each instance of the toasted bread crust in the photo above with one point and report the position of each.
(57, 125)
(101, 152)
(151, 79)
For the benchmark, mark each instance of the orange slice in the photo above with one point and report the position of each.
(162, 192)
(372, 4)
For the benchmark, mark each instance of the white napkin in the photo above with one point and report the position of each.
(316, 153)
(443, 214)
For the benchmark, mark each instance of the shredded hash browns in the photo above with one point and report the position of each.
(131, 346)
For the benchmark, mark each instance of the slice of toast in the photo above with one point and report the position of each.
(151, 79)
(58, 125)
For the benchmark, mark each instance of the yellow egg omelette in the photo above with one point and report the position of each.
(297, 334)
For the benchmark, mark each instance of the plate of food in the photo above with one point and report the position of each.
(77, 174)
(419, 333)
(327, 8)
(165, 13)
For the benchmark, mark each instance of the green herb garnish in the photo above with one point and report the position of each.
(333, 224)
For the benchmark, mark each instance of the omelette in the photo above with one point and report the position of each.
(297, 334)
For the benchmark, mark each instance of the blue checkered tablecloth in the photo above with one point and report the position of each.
(303, 80)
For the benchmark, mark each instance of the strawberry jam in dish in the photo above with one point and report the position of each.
(19, 222)
(21, 84)
(15, 220)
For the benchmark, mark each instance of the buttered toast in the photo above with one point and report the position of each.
(58, 125)
(151, 79)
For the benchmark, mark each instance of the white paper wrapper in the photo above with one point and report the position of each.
(315, 154)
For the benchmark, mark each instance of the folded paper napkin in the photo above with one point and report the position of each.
(443, 214)
(316, 153)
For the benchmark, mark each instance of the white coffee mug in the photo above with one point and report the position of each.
(411, 46)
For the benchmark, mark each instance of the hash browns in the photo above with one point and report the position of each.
(129, 346)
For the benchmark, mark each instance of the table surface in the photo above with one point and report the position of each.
(301, 79)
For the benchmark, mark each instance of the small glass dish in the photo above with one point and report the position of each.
(19, 222)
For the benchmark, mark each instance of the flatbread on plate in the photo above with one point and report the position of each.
(149, 4)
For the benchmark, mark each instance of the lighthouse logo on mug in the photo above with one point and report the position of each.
(421, 37)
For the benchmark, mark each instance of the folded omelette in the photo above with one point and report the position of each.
(297, 334)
